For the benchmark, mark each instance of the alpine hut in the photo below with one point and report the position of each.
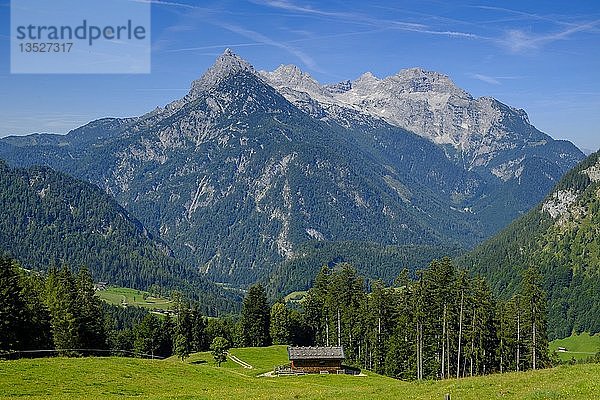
(314, 360)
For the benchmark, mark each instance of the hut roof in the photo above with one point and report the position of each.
(312, 353)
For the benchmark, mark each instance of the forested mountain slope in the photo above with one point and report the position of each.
(49, 219)
(561, 236)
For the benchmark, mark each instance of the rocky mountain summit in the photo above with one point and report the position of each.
(480, 134)
(252, 173)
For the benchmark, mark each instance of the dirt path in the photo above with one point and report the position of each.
(238, 361)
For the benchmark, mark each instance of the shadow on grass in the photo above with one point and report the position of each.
(198, 362)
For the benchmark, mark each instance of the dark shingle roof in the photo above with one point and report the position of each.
(312, 353)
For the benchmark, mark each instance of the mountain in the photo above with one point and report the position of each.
(244, 178)
(49, 218)
(480, 135)
(561, 236)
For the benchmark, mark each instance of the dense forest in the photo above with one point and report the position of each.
(562, 237)
(443, 324)
(49, 218)
(58, 311)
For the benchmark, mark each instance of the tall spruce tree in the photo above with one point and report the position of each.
(255, 318)
(88, 312)
(38, 333)
(534, 299)
(61, 299)
(12, 307)
(280, 329)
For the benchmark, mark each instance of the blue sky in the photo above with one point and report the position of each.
(542, 56)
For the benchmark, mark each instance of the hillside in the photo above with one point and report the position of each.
(199, 378)
(49, 218)
(241, 182)
(562, 236)
(578, 347)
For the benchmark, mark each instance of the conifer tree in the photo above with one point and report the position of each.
(534, 299)
(12, 307)
(255, 318)
(280, 324)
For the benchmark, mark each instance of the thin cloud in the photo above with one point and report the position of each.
(216, 46)
(168, 3)
(526, 15)
(363, 19)
(486, 79)
(260, 38)
(493, 80)
(518, 41)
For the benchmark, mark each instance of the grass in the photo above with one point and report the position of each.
(199, 378)
(579, 347)
(132, 297)
(295, 297)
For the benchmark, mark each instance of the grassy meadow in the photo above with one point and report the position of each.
(578, 347)
(120, 296)
(199, 378)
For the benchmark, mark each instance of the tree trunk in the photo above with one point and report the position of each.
(462, 298)
(518, 339)
(501, 352)
(472, 342)
(339, 329)
(444, 343)
(327, 330)
(447, 350)
(533, 347)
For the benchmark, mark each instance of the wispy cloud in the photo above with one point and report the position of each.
(518, 41)
(493, 80)
(526, 15)
(260, 38)
(169, 3)
(215, 46)
(161, 89)
(486, 79)
(364, 19)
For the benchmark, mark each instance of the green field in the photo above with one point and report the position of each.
(296, 297)
(199, 378)
(578, 347)
(130, 297)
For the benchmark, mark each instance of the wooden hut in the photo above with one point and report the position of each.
(315, 360)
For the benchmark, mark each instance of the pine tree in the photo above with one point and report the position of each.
(534, 299)
(183, 331)
(38, 333)
(89, 314)
(218, 348)
(199, 337)
(61, 300)
(254, 321)
(148, 337)
(12, 307)
(280, 324)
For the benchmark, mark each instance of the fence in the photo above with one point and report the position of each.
(17, 354)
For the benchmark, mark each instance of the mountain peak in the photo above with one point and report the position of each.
(420, 80)
(292, 77)
(225, 65)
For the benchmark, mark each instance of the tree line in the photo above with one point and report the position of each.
(442, 324)
(59, 311)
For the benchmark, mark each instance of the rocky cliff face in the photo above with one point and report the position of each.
(479, 134)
